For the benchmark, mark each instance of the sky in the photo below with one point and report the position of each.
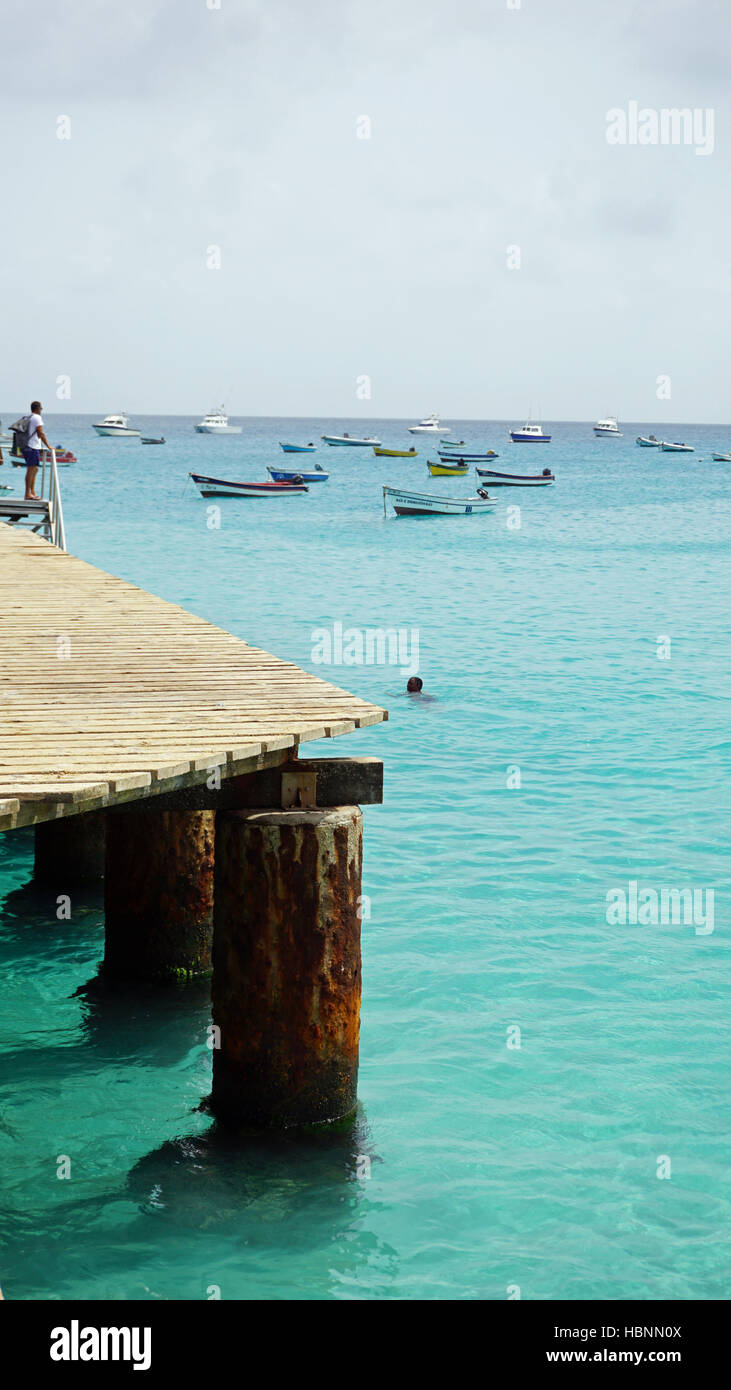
(305, 207)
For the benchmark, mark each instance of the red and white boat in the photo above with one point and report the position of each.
(63, 456)
(220, 487)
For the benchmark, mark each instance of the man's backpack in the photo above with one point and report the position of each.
(21, 430)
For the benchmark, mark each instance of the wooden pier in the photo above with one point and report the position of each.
(128, 728)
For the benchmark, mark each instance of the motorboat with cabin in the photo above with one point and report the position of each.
(609, 427)
(216, 422)
(430, 425)
(116, 427)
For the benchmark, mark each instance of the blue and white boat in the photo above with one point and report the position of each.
(467, 456)
(298, 448)
(530, 434)
(648, 441)
(294, 475)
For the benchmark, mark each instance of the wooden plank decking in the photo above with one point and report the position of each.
(109, 694)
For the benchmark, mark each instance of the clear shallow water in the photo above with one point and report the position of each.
(489, 1166)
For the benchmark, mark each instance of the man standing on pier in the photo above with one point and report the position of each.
(36, 438)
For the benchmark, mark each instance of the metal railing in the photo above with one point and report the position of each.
(56, 528)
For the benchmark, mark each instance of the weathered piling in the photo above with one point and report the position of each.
(159, 894)
(287, 967)
(71, 850)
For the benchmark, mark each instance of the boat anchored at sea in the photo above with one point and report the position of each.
(609, 427)
(676, 448)
(448, 468)
(367, 442)
(426, 504)
(516, 479)
(216, 422)
(530, 434)
(648, 441)
(116, 427)
(466, 456)
(292, 475)
(411, 453)
(222, 487)
(430, 425)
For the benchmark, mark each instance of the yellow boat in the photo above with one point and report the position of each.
(448, 470)
(395, 453)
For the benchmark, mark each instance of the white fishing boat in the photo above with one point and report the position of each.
(530, 434)
(431, 425)
(426, 504)
(216, 422)
(355, 441)
(608, 427)
(676, 448)
(116, 427)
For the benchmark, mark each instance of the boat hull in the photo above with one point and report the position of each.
(340, 441)
(221, 487)
(116, 432)
(396, 453)
(647, 443)
(468, 458)
(722, 458)
(514, 479)
(609, 434)
(287, 475)
(443, 470)
(299, 448)
(218, 429)
(677, 448)
(425, 504)
(429, 429)
(518, 437)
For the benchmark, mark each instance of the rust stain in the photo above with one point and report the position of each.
(288, 934)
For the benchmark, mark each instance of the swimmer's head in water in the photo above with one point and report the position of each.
(414, 684)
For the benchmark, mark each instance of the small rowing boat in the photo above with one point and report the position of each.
(454, 469)
(676, 448)
(395, 453)
(298, 448)
(451, 444)
(152, 441)
(426, 504)
(367, 442)
(516, 479)
(220, 487)
(648, 441)
(463, 456)
(292, 475)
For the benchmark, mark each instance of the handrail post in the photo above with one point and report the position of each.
(58, 531)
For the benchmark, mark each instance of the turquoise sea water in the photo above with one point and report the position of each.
(490, 1166)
